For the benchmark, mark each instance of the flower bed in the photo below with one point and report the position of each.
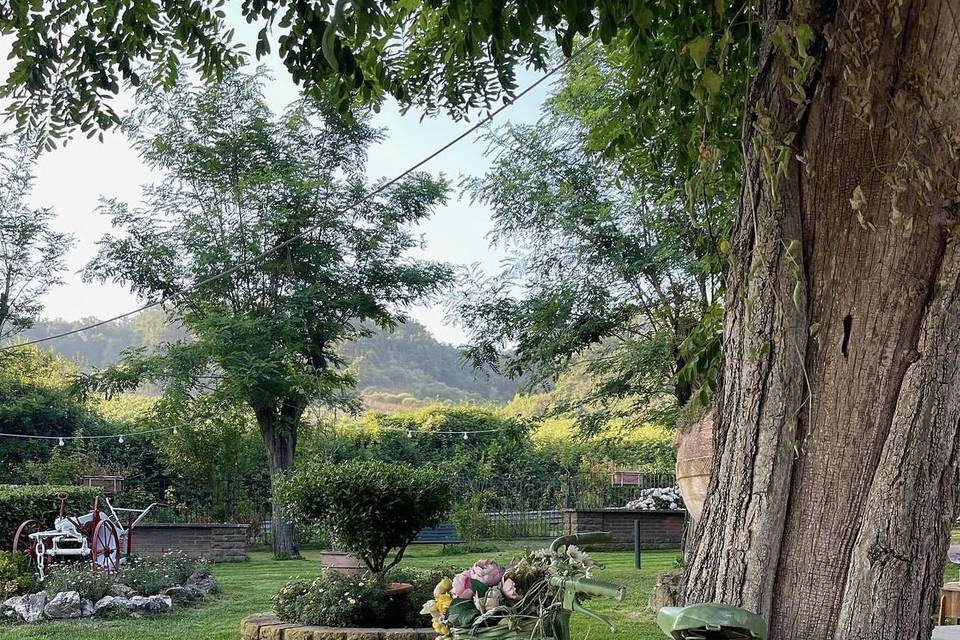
(658, 499)
(141, 588)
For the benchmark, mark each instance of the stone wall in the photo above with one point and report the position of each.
(658, 529)
(267, 626)
(210, 541)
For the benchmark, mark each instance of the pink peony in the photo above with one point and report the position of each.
(510, 589)
(461, 585)
(487, 571)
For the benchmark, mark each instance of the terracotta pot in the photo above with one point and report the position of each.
(398, 590)
(694, 456)
(341, 563)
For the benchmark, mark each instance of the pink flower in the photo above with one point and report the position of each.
(510, 589)
(461, 585)
(487, 571)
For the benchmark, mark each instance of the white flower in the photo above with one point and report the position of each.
(430, 608)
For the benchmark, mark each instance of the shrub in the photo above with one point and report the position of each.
(661, 499)
(334, 601)
(370, 508)
(469, 521)
(147, 577)
(79, 577)
(406, 612)
(16, 575)
(39, 502)
(150, 577)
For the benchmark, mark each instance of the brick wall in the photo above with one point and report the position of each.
(210, 541)
(658, 529)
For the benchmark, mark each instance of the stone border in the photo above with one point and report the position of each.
(267, 626)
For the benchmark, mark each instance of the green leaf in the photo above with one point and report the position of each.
(804, 37)
(461, 612)
(478, 587)
(699, 49)
(712, 81)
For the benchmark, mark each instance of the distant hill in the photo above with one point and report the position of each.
(406, 368)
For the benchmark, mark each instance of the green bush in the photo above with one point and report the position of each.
(406, 612)
(370, 508)
(146, 577)
(16, 575)
(468, 519)
(151, 576)
(334, 601)
(79, 577)
(39, 502)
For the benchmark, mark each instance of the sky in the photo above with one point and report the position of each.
(71, 179)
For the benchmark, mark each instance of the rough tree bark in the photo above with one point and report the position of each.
(836, 476)
(279, 431)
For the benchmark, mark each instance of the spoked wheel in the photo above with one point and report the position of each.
(105, 547)
(23, 543)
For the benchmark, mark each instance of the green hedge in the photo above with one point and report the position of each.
(39, 502)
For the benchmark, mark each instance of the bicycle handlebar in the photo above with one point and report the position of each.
(580, 538)
(590, 587)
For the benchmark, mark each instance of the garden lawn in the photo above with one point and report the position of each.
(248, 588)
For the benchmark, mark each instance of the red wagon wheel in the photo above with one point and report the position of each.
(23, 543)
(105, 547)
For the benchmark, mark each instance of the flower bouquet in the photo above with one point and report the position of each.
(531, 598)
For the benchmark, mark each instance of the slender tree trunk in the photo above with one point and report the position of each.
(835, 480)
(279, 432)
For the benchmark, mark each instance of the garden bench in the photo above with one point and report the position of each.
(442, 534)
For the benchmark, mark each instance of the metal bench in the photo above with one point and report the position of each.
(442, 534)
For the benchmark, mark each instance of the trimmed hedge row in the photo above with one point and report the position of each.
(39, 502)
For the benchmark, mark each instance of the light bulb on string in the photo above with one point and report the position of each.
(409, 433)
(120, 439)
(465, 436)
(60, 442)
(174, 431)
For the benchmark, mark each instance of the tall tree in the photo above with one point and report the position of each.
(31, 252)
(608, 268)
(838, 419)
(240, 181)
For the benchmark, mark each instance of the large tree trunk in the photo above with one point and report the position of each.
(836, 479)
(279, 431)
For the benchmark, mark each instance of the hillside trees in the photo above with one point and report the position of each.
(239, 181)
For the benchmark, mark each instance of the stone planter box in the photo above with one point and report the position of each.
(267, 626)
(209, 541)
(658, 529)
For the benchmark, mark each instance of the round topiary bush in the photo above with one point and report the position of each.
(371, 509)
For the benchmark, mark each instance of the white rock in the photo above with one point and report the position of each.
(66, 604)
(30, 607)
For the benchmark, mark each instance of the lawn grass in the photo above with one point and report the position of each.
(248, 588)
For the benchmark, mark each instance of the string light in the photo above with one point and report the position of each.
(58, 439)
(465, 436)
(174, 431)
(60, 442)
(120, 439)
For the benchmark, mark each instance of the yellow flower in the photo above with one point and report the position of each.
(443, 586)
(440, 628)
(443, 601)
